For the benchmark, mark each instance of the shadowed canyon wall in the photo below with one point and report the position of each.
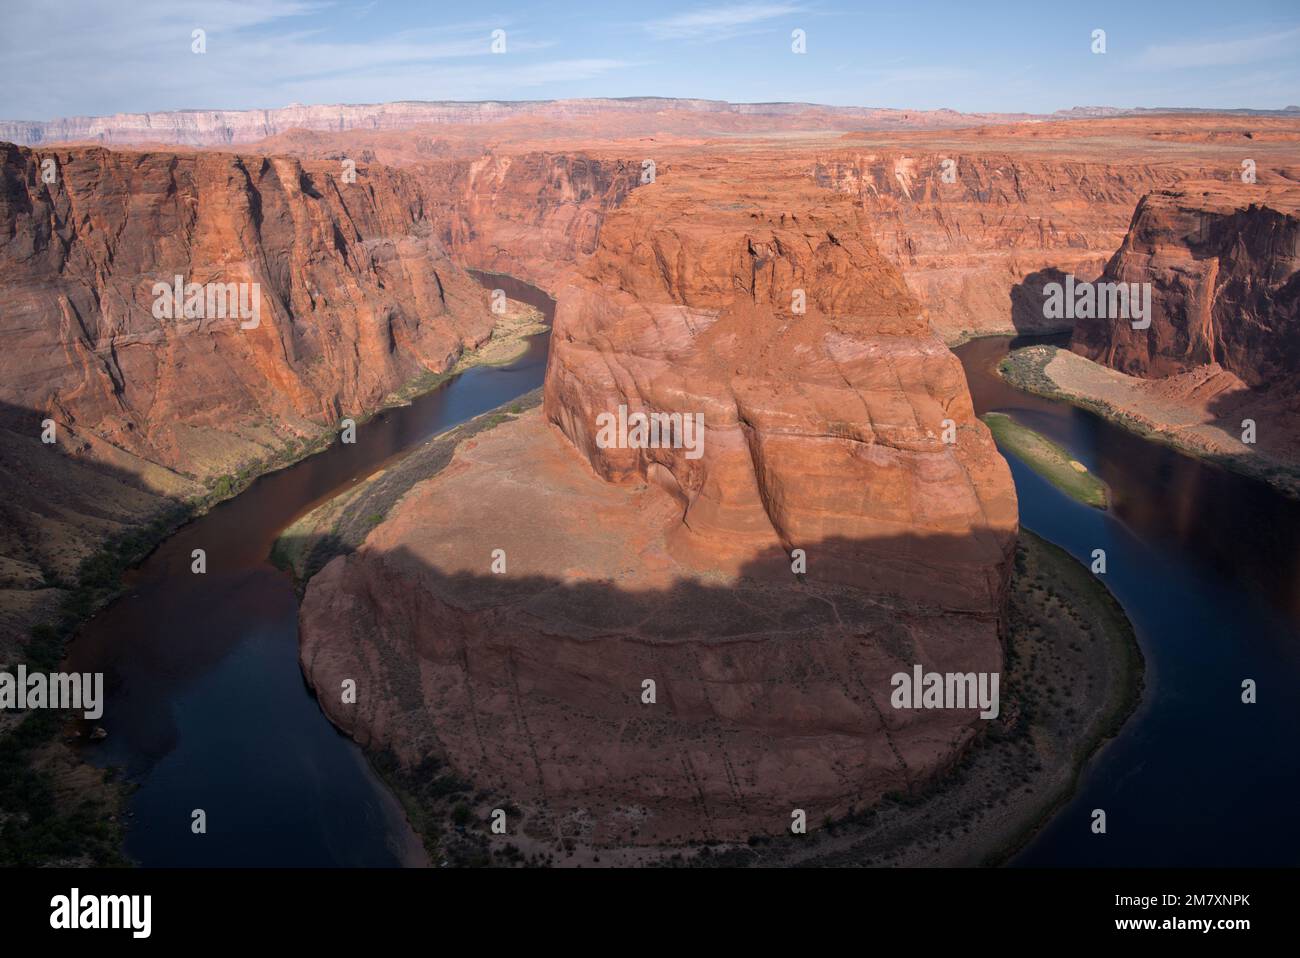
(1222, 265)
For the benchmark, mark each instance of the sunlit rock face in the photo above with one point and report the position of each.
(977, 229)
(764, 307)
(317, 297)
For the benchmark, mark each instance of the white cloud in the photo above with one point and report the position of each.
(717, 23)
(96, 57)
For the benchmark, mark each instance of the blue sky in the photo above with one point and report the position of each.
(75, 57)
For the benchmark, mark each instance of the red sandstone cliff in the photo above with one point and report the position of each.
(531, 215)
(1222, 265)
(820, 424)
(977, 250)
(356, 298)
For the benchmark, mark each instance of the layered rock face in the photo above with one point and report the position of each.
(1222, 267)
(765, 308)
(531, 215)
(978, 220)
(354, 297)
(978, 234)
(823, 431)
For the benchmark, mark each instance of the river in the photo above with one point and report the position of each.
(207, 707)
(1207, 565)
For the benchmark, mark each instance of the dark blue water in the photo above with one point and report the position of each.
(1207, 566)
(206, 706)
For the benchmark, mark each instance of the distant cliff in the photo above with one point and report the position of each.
(226, 127)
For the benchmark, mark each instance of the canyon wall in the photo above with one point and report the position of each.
(978, 234)
(356, 297)
(1222, 266)
(531, 215)
(824, 427)
(978, 220)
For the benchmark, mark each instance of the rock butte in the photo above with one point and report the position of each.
(1222, 263)
(822, 432)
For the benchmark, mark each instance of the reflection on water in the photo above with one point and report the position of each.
(1206, 565)
(206, 704)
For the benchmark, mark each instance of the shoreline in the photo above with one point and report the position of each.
(968, 816)
(340, 524)
(1026, 369)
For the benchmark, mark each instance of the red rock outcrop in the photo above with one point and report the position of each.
(819, 424)
(977, 247)
(978, 220)
(1222, 266)
(1218, 367)
(356, 298)
(823, 431)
